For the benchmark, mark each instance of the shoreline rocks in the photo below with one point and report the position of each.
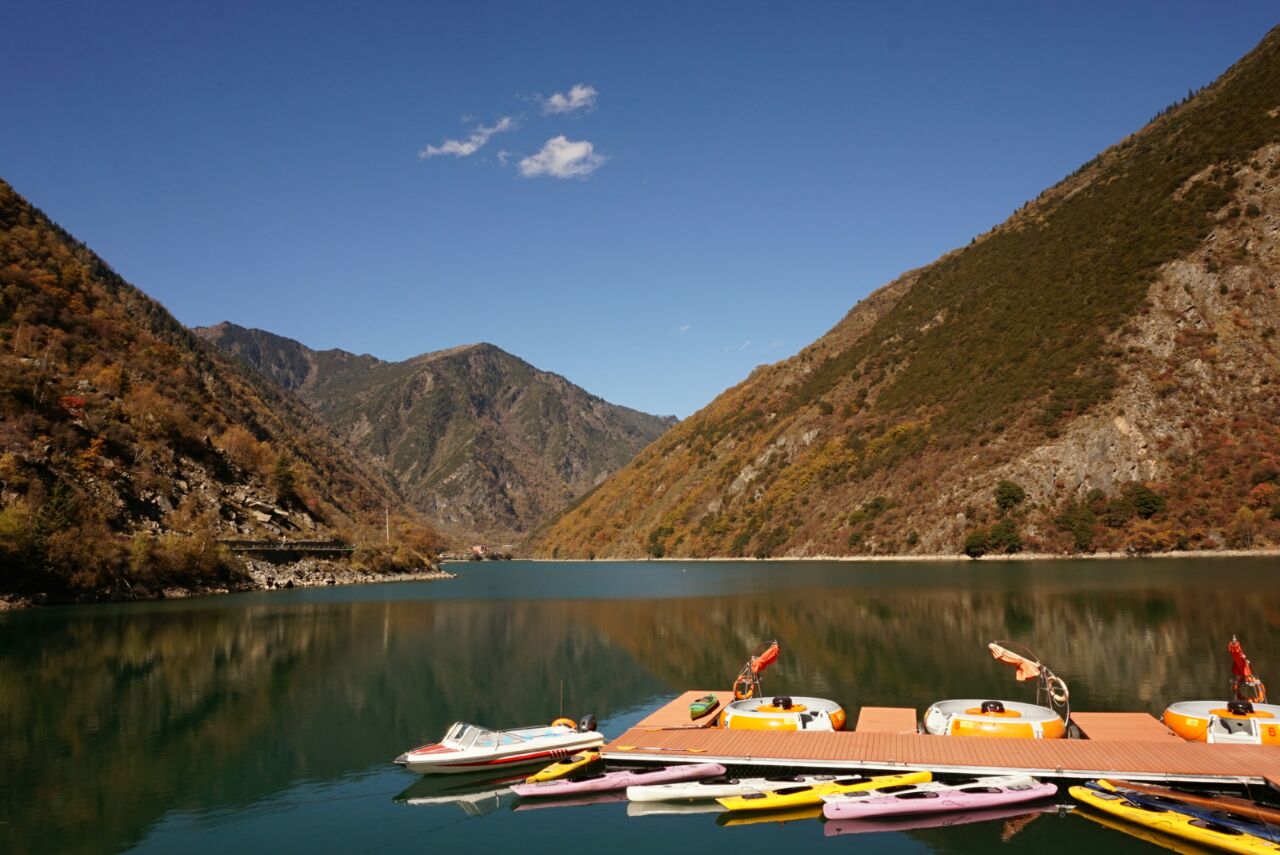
(259, 576)
(316, 572)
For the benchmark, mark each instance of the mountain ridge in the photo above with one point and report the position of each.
(479, 440)
(1053, 351)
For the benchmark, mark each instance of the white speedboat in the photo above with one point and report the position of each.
(468, 747)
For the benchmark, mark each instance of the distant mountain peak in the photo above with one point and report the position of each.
(485, 444)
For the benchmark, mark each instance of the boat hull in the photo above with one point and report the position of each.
(800, 714)
(1172, 823)
(692, 791)
(439, 759)
(967, 717)
(803, 795)
(702, 706)
(565, 768)
(920, 822)
(1212, 721)
(1221, 816)
(1243, 807)
(984, 794)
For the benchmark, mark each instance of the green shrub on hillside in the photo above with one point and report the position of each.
(1028, 308)
(977, 543)
(1146, 502)
(1008, 494)
(1004, 537)
(1080, 520)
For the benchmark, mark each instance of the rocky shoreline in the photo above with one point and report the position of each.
(259, 576)
(315, 573)
(956, 557)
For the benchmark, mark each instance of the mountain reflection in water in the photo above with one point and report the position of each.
(117, 720)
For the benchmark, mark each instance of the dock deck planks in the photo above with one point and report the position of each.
(886, 720)
(1137, 759)
(1123, 727)
(676, 713)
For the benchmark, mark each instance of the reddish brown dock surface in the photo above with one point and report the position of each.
(664, 736)
(1123, 727)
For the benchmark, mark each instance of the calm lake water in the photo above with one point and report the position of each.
(267, 721)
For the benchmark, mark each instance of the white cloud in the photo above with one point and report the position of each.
(563, 158)
(473, 143)
(685, 327)
(504, 156)
(580, 97)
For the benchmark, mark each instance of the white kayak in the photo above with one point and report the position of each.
(671, 808)
(717, 788)
(620, 779)
(468, 748)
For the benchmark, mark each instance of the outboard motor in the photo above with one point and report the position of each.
(1239, 707)
(992, 707)
(587, 724)
(783, 702)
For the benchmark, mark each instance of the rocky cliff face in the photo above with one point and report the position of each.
(483, 443)
(1109, 352)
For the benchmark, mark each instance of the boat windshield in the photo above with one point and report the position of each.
(463, 736)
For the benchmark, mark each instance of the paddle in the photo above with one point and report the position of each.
(659, 748)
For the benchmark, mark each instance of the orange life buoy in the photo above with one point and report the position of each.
(567, 722)
(743, 689)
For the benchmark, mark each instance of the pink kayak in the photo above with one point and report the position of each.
(620, 780)
(920, 822)
(982, 794)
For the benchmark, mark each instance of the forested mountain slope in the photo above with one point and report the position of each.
(480, 441)
(128, 446)
(1097, 372)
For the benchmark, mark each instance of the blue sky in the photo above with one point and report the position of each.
(732, 177)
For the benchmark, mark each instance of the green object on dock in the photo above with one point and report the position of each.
(703, 705)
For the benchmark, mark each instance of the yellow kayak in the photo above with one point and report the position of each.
(803, 795)
(730, 820)
(1138, 832)
(1174, 823)
(564, 768)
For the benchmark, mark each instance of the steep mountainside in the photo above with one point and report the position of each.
(483, 443)
(116, 421)
(1097, 372)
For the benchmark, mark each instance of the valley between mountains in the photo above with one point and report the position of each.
(478, 441)
(1097, 373)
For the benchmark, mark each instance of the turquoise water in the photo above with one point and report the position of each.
(266, 722)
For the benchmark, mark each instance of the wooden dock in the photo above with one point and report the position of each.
(1123, 745)
(1123, 727)
(886, 720)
